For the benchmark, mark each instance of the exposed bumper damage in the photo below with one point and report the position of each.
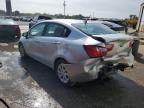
(89, 69)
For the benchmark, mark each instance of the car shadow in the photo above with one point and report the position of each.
(119, 92)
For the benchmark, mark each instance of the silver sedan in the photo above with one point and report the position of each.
(77, 50)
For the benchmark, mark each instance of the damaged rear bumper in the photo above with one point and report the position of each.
(89, 69)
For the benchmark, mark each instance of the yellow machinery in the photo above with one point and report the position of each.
(132, 22)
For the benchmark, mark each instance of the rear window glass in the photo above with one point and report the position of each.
(93, 28)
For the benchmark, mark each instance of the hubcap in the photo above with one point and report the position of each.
(62, 73)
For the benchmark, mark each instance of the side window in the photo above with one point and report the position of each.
(37, 30)
(56, 30)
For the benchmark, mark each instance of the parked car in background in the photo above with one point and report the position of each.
(16, 18)
(27, 18)
(111, 25)
(77, 50)
(114, 26)
(37, 19)
(9, 31)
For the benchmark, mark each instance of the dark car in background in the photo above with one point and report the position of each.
(113, 26)
(27, 18)
(9, 31)
(37, 19)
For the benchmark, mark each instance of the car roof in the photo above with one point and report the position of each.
(68, 21)
(71, 21)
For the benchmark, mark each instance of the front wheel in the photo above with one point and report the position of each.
(22, 51)
(62, 73)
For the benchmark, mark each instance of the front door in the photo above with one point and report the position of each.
(33, 42)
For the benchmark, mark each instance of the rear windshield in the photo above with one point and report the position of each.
(93, 28)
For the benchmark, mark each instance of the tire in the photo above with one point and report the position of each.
(22, 50)
(62, 74)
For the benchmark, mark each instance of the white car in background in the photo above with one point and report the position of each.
(77, 50)
(38, 19)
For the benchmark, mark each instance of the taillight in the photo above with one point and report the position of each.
(95, 51)
(131, 44)
(15, 26)
(109, 47)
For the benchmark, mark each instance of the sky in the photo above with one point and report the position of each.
(96, 8)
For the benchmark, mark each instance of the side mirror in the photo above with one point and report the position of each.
(25, 34)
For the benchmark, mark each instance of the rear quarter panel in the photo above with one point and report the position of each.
(72, 49)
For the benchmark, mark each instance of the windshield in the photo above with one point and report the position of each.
(93, 28)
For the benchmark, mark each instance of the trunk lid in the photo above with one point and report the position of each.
(120, 42)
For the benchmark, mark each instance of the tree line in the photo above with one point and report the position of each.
(18, 13)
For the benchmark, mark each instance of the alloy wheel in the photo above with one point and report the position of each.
(62, 73)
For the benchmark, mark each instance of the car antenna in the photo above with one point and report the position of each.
(86, 19)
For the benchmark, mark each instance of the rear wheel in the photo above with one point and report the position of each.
(62, 73)
(22, 50)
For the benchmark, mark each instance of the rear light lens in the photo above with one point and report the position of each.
(9, 26)
(17, 30)
(131, 44)
(94, 51)
(15, 26)
(109, 47)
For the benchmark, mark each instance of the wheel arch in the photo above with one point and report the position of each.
(58, 59)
